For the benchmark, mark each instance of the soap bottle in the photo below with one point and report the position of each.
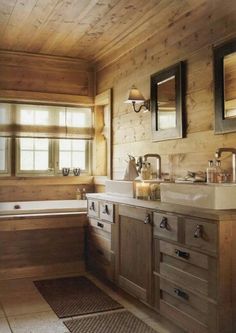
(211, 172)
(144, 171)
(78, 194)
(84, 194)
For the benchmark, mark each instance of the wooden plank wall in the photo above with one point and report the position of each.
(189, 38)
(45, 78)
(56, 188)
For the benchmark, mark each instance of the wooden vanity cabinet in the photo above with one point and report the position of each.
(134, 253)
(100, 255)
(193, 272)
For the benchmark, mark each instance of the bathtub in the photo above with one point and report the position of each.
(42, 207)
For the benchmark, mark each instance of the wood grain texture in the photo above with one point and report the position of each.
(189, 37)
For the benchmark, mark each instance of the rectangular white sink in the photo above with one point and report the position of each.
(123, 188)
(212, 196)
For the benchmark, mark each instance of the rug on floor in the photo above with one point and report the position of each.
(115, 322)
(73, 296)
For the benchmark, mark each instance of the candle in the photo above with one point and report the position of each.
(142, 191)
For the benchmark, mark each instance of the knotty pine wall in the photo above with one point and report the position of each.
(191, 39)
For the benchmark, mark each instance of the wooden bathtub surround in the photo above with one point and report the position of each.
(181, 262)
(41, 245)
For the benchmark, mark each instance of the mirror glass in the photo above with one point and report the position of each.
(229, 70)
(166, 103)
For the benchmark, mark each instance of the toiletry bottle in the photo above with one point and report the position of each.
(149, 170)
(210, 172)
(84, 194)
(144, 171)
(78, 194)
(218, 171)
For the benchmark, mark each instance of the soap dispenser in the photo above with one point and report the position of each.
(211, 172)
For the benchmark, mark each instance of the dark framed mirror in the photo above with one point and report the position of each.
(167, 103)
(225, 87)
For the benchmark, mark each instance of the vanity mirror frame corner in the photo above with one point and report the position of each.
(222, 124)
(177, 132)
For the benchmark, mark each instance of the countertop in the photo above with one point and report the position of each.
(211, 214)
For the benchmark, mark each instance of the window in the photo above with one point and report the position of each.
(4, 156)
(33, 155)
(72, 154)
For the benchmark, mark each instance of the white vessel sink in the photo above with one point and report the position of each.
(212, 196)
(123, 188)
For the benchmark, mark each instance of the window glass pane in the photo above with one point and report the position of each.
(27, 160)
(65, 144)
(64, 160)
(78, 145)
(41, 144)
(2, 143)
(5, 113)
(78, 160)
(26, 117)
(27, 144)
(2, 160)
(41, 160)
(78, 117)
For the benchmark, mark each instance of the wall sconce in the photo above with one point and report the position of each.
(134, 97)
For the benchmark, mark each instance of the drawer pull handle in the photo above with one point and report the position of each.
(100, 225)
(147, 219)
(199, 231)
(164, 223)
(182, 254)
(92, 206)
(105, 210)
(181, 294)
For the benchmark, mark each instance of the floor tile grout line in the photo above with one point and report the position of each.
(7, 320)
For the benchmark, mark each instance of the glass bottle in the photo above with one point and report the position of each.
(218, 171)
(78, 194)
(210, 171)
(83, 194)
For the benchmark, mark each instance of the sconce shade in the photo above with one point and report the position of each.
(134, 95)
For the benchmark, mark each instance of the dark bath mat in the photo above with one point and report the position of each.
(75, 296)
(115, 322)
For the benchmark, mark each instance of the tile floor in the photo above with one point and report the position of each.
(23, 310)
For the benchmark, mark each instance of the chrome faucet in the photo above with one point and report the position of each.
(218, 154)
(158, 157)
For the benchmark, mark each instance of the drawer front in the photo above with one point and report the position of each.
(186, 279)
(100, 225)
(202, 235)
(180, 318)
(185, 255)
(93, 208)
(165, 226)
(184, 300)
(99, 247)
(107, 211)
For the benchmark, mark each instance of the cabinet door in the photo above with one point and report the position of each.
(135, 248)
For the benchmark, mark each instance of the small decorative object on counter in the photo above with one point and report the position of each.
(83, 197)
(146, 171)
(211, 172)
(78, 194)
(143, 191)
(76, 171)
(65, 171)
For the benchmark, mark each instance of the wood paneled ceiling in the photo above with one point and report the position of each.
(95, 30)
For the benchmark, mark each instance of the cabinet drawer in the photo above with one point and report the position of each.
(106, 211)
(166, 226)
(202, 235)
(185, 255)
(97, 224)
(184, 300)
(187, 322)
(93, 208)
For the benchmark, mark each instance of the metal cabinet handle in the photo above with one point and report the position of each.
(182, 254)
(105, 210)
(147, 219)
(198, 233)
(100, 225)
(92, 206)
(181, 293)
(164, 223)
